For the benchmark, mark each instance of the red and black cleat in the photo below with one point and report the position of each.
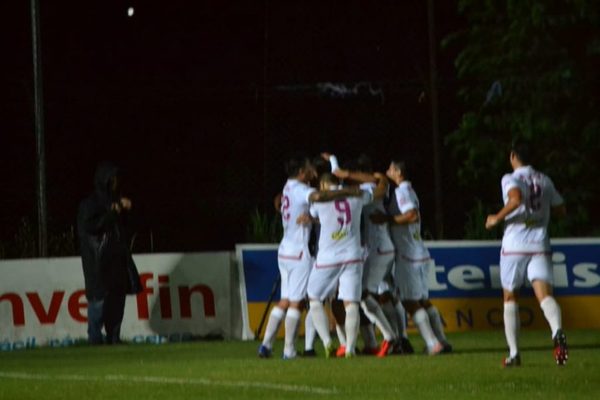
(561, 351)
(510, 362)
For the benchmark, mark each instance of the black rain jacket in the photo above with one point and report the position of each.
(108, 266)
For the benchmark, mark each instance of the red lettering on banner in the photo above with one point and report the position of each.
(164, 296)
(76, 305)
(44, 317)
(18, 310)
(185, 303)
(142, 297)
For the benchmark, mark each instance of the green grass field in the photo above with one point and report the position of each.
(231, 370)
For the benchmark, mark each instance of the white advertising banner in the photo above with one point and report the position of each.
(185, 296)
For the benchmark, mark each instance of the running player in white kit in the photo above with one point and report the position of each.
(339, 261)
(293, 254)
(529, 197)
(412, 260)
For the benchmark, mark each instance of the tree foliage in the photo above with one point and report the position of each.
(529, 70)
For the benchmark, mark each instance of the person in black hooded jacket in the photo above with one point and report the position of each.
(108, 266)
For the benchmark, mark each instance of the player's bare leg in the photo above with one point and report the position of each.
(552, 312)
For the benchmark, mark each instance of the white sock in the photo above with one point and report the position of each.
(421, 319)
(374, 312)
(368, 335)
(309, 331)
(436, 323)
(352, 324)
(392, 317)
(402, 319)
(511, 326)
(552, 313)
(275, 318)
(320, 321)
(292, 320)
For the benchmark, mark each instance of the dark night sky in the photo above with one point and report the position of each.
(176, 96)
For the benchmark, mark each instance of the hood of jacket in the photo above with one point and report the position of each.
(102, 180)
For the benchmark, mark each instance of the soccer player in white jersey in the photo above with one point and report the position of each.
(379, 248)
(339, 261)
(412, 260)
(529, 197)
(293, 254)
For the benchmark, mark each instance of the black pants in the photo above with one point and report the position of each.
(114, 307)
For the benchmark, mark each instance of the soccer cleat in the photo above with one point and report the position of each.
(289, 356)
(403, 346)
(369, 351)
(341, 351)
(264, 351)
(510, 362)
(561, 351)
(385, 348)
(349, 355)
(309, 353)
(330, 351)
(447, 347)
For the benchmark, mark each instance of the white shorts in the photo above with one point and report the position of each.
(323, 282)
(294, 276)
(513, 268)
(411, 279)
(377, 266)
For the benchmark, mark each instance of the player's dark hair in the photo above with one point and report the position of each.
(364, 164)
(522, 151)
(401, 165)
(295, 164)
(321, 166)
(329, 179)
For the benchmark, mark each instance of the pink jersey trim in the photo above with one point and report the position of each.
(299, 257)
(382, 253)
(337, 265)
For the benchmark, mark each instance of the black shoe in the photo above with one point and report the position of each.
(509, 362)
(561, 351)
(447, 347)
(309, 353)
(405, 346)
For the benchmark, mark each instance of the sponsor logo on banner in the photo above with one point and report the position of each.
(464, 283)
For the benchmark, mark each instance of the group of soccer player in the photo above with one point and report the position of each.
(371, 266)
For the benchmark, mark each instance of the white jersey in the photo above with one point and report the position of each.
(294, 203)
(526, 228)
(407, 237)
(376, 236)
(339, 240)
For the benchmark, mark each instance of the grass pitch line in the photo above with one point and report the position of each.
(168, 380)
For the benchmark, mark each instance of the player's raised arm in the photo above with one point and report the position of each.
(330, 195)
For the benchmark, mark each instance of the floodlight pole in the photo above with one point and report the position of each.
(435, 124)
(39, 131)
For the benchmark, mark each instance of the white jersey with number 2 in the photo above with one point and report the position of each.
(526, 228)
(294, 203)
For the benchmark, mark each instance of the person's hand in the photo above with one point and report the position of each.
(326, 156)
(379, 217)
(116, 207)
(304, 219)
(125, 203)
(491, 221)
(379, 176)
